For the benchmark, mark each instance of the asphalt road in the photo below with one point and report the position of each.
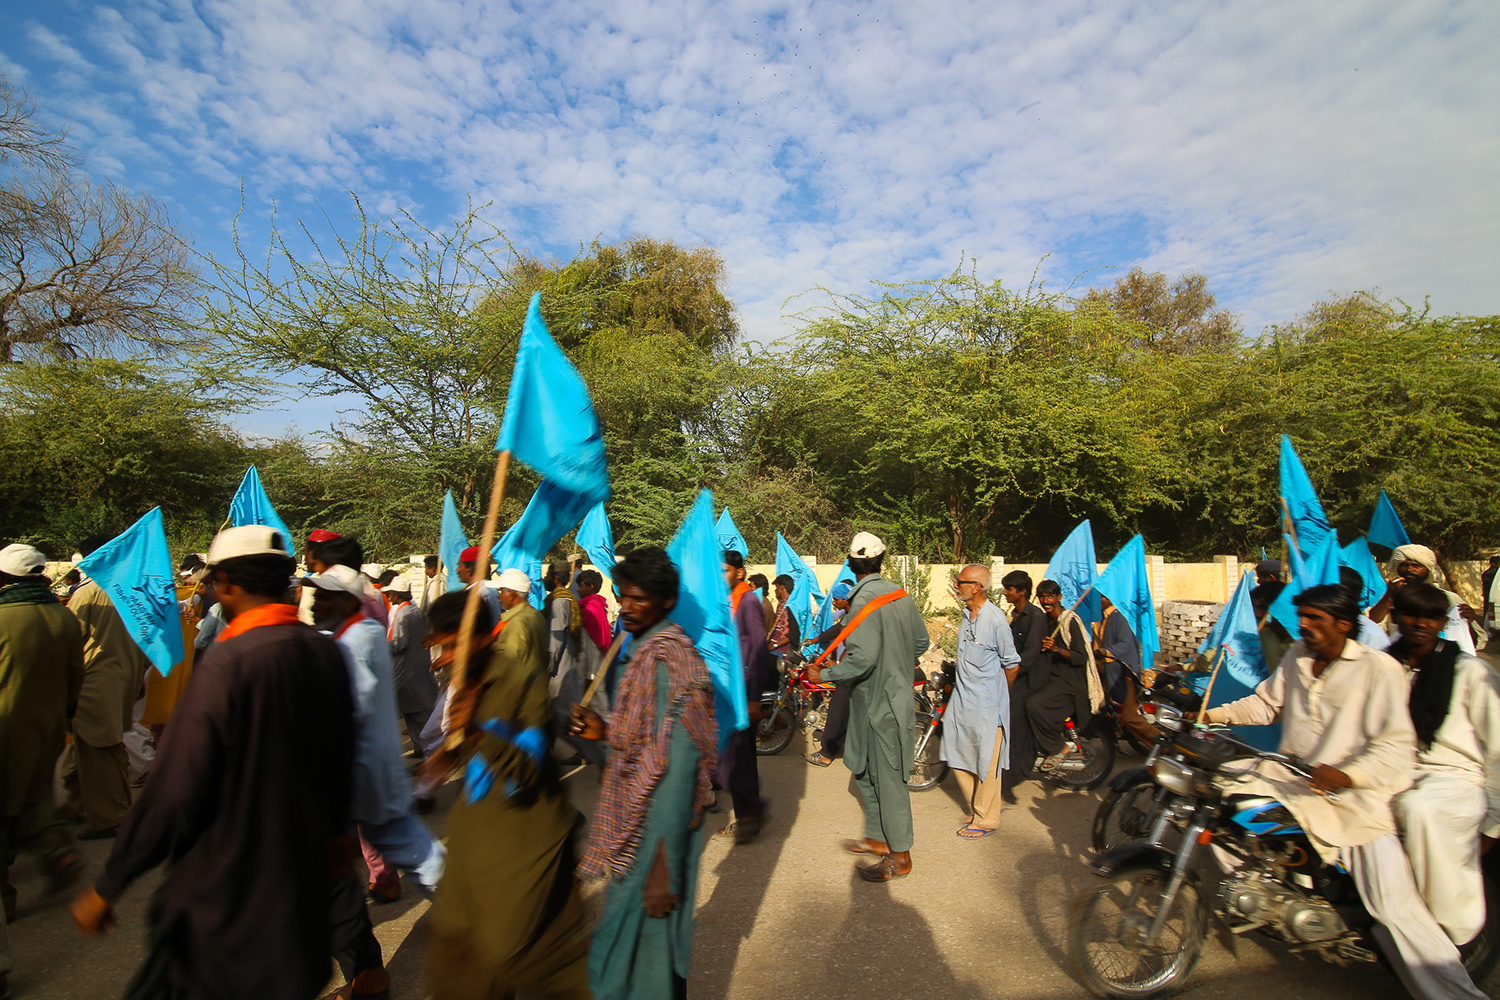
(786, 917)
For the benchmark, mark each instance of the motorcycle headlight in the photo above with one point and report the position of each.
(1169, 718)
(1174, 776)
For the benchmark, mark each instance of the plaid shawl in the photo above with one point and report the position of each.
(37, 591)
(642, 748)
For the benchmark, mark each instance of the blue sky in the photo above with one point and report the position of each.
(1289, 151)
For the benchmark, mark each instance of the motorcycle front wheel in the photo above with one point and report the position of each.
(775, 729)
(1126, 817)
(928, 768)
(1109, 927)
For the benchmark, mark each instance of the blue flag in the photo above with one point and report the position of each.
(1321, 566)
(703, 612)
(451, 542)
(730, 539)
(251, 506)
(1236, 641)
(805, 590)
(550, 422)
(1385, 527)
(597, 540)
(1357, 556)
(824, 618)
(1128, 587)
(1074, 569)
(1301, 500)
(551, 513)
(135, 570)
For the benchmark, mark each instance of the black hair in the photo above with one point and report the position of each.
(759, 580)
(1421, 600)
(786, 581)
(651, 569)
(342, 552)
(1351, 581)
(1017, 579)
(864, 567)
(191, 563)
(1048, 587)
(431, 562)
(446, 614)
(262, 576)
(1331, 598)
(73, 575)
(93, 543)
(387, 577)
(592, 578)
(733, 559)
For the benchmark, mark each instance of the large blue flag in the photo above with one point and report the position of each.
(1320, 566)
(550, 422)
(805, 590)
(1235, 641)
(1128, 587)
(1357, 556)
(597, 540)
(824, 617)
(1385, 527)
(1302, 505)
(1074, 569)
(551, 513)
(451, 542)
(730, 539)
(703, 612)
(251, 506)
(135, 570)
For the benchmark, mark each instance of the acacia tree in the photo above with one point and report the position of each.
(84, 267)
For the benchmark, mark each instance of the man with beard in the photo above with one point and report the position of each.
(1418, 564)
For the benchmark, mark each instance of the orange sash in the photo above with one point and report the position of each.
(358, 616)
(266, 614)
(875, 605)
(740, 590)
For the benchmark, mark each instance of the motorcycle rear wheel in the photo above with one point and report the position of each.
(928, 768)
(1109, 922)
(775, 729)
(1098, 760)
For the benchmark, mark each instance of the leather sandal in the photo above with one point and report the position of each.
(884, 870)
(866, 846)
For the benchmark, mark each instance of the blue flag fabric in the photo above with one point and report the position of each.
(1385, 527)
(550, 422)
(551, 513)
(730, 539)
(1243, 667)
(805, 591)
(1074, 568)
(1321, 566)
(1302, 503)
(703, 612)
(135, 570)
(251, 506)
(597, 540)
(824, 618)
(1358, 557)
(451, 542)
(1128, 586)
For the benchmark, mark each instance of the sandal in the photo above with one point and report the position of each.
(972, 832)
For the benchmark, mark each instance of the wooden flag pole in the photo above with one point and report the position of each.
(459, 676)
(1208, 691)
(608, 661)
(1058, 627)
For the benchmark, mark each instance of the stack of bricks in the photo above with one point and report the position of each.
(1184, 626)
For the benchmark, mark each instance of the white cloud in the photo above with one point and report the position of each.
(1287, 150)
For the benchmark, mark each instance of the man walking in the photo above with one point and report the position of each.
(250, 791)
(974, 743)
(96, 765)
(411, 664)
(882, 642)
(738, 770)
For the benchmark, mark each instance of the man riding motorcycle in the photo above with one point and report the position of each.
(1343, 707)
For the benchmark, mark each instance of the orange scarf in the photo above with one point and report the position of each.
(740, 590)
(358, 616)
(266, 614)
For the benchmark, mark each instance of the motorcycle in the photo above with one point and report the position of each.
(928, 768)
(796, 703)
(1141, 933)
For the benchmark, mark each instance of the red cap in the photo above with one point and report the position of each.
(320, 535)
(470, 554)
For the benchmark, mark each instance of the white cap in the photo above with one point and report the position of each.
(400, 585)
(337, 578)
(514, 579)
(372, 570)
(22, 560)
(247, 540)
(866, 546)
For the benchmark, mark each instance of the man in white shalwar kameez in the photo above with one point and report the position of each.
(1343, 708)
(1452, 813)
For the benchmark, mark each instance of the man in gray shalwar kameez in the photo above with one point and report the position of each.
(411, 663)
(976, 741)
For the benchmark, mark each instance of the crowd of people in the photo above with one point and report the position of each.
(320, 709)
